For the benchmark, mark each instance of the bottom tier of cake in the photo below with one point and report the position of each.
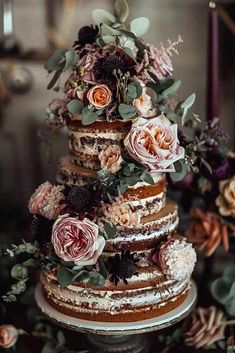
(141, 299)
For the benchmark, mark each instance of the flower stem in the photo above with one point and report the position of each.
(228, 323)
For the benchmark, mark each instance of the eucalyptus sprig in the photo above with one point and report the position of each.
(113, 25)
(129, 175)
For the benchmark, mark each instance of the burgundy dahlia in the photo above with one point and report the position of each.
(86, 35)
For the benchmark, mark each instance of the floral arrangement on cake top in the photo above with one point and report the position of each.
(117, 78)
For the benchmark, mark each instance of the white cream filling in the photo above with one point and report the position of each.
(167, 228)
(77, 296)
(107, 302)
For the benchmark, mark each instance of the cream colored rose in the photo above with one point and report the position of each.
(143, 104)
(8, 336)
(111, 159)
(226, 200)
(99, 96)
(121, 214)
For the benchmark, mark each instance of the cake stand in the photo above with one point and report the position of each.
(125, 337)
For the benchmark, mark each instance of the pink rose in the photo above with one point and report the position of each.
(8, 336)
(111, 158)
(143, 104)
(176, 258)
(76, 240)
(154, 143)
(100, 96)
(45, 201)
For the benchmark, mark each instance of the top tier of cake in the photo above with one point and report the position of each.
(86, 142)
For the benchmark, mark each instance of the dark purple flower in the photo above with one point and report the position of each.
(220, 166)
(86, 35)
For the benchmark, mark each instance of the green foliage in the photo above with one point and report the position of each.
(75, 107)
(88, 116)
(19, 272)
(64, 276)
(126, 111)
(129, 175)
(139, 26)
(60, 61)
(181, 170)
(223, 289)
(172, 89)
(134, 90)
(110, 230)
(186, 105)
(121, 10)
(101, 16)
(27, 248)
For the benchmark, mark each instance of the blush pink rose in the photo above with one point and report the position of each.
(45, 201)
(8, 336)
(87, 63)
(76, 240)
(154, 143)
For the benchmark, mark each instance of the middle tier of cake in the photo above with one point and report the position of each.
(142, 197)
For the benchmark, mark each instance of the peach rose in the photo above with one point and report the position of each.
(45, 201)
(8, 336)
(206, 327)
(111, 159)
(226, 200)
(154, 143)
(76, 240)
(143, 104)
(99, 96)
(121, 214)
(207, 232)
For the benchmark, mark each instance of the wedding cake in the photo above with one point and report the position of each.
(106, 241)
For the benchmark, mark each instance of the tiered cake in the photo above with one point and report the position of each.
(109, 249)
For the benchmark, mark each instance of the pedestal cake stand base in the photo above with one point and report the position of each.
(117, 337)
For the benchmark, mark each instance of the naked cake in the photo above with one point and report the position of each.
(106, 234)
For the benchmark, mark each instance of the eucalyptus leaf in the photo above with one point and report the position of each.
(177, 176)
(110, 230)
(19, 272)
(102, 16)
(220, 291)
(128, 33)
(147, 178)
(139, 26)
(172, 89)
(229, 273)
(96, 279)
(230, 307)
(81, 276)
(88, 116)
(121, 10)
(188, 102)
(54, 79)
(64, 277)
(129, 52)
(69, 58)
(108, 39)
(56, 61)
(126, 111)
(75, 106)
(108, 30)
(102, 267)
